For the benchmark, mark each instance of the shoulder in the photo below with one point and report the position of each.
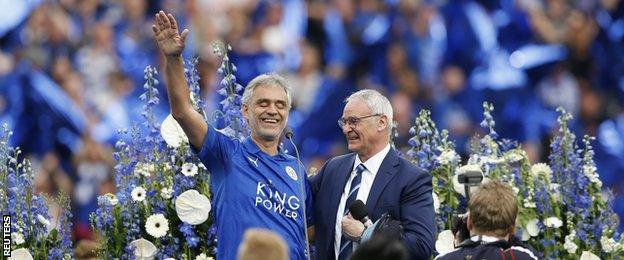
(455, 254)
(528, 254)
(339, 160)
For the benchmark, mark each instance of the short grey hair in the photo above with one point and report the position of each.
(377, 102)
(271, 79)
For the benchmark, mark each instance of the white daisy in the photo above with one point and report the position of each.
(138, 194)
(189, 169)
(541, 169)
(157, 225)
(17, 238)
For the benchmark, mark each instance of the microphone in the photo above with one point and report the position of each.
(359, 211)
(288, 133)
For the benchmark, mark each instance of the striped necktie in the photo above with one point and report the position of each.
(346, 246)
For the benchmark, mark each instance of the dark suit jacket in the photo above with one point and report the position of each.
(399, 188)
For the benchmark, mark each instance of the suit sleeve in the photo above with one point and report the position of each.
(418, 216)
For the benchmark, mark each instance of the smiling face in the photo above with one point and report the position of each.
(266, 113)
(369, 135)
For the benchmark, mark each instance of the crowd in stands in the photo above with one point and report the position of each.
(71, 73)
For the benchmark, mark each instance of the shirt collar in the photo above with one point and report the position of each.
(253, 148)
(374, 163)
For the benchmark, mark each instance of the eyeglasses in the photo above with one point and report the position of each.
(353, 121)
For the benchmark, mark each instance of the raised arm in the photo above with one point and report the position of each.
(171, 43)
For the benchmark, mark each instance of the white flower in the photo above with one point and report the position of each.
(157, 225)
(590, 172)
(436, 202)
(586, 255)
(445, 242)
(525, 235)
(555, 192)
(532, 228)
(21, 254)
(608, 244)
(515, 190)
(459, 187)
(168, 166)
(166, 193)
(46, 223)
(172, 132)
(448, 157)
(189, 169)
(144, 249)
(570, 247)
(192, 207)
(138, 194)
(527, 203)
(515, 156)
(569, 244)
(17, 238)
(145, 169)
(203, 256)
(541, 169)
(111, 198)
(553, 222)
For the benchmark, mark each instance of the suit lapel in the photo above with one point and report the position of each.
(386, 171)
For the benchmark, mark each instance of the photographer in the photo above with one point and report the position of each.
(491, 221)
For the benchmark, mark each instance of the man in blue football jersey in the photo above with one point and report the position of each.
(254, 183)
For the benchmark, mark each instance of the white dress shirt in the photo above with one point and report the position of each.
(368, 176)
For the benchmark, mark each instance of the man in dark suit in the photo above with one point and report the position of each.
(375, 174)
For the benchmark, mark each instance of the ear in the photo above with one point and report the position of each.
(469, 223)
(383, 123)
(245, 111)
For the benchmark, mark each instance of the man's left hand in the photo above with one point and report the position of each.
(352, 228)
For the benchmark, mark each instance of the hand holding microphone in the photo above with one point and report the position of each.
(355, 223)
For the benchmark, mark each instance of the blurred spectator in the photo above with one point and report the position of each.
(260, 244)
(306, 81)
(560, 89)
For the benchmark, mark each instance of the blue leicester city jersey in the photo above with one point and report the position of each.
(252, 189)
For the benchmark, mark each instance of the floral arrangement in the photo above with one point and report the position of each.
(162, 205)
(35, 233)
(563, 213)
